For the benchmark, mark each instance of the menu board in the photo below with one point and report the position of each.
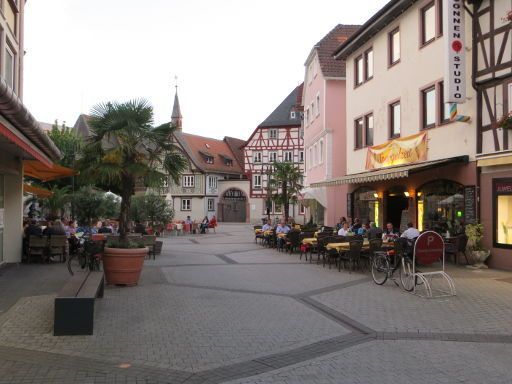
(404, 220)
(470, 215)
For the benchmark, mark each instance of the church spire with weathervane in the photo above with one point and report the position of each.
(176, 117)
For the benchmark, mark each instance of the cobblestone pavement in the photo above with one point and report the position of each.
(219, 308)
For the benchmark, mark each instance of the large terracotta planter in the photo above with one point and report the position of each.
(123, 266)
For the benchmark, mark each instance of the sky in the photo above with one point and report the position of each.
(235, 60)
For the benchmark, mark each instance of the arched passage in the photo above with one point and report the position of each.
(233, 206)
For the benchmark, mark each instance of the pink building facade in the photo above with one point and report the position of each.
(324, 126)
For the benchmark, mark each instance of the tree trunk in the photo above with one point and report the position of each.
(126, 196)
(285, 200)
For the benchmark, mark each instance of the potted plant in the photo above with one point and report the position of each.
(506, 121)
(475, 234)
(125, 151)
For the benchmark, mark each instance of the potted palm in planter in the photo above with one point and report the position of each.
(125, 151)
(475, 234)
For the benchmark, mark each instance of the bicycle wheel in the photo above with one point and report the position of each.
(380, 269)
(76, 262)
(406, 275)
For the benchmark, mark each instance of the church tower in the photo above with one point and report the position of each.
(176, 117)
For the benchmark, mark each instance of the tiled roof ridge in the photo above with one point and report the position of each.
(333, 31)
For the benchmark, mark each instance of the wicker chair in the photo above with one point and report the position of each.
(37, 246)
(352, 256)
(58, 245)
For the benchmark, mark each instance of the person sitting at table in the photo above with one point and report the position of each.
(204, 224)
(267, 226)
(105, 228)
(363, 230)
(344, 230)
(140, 228)
(339, 224)
(411, 232)
(390, 232)
(57, 229)
(188, 220)
(374, 232)
(357, 224)
(281, 228)
(33, 228)
(48, 229)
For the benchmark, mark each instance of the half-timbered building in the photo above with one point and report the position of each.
(278, 138)
(492, 80)
(209, 161)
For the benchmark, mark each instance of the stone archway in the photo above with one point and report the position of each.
(233, 206)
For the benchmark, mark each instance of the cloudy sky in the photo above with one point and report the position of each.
(236, 60)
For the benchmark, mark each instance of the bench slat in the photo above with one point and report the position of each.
(72, 287)
(92, 285)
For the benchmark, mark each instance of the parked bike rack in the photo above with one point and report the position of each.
(429, 249)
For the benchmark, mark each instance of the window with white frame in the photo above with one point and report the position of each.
(277, 208)
(310, 158)
(257, 157)
(292, 115)
(288, 156)
(321, 152)
(301, 156)
(9, 67)
(257, 181)
(272, 157)
(312, 110)
(188, 181)
(212, 182)
(306, 119)
(272, 133)
(211, 205)
(186, 204)
(318, 104)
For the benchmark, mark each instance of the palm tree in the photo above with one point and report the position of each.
(125, 151)
(287, 179)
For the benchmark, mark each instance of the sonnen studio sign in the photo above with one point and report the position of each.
(455, 55)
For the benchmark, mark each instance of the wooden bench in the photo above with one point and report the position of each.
(74, 304)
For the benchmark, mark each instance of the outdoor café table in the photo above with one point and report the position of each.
(258, 231)
(281, 235)
(309, 240)
(345, 246)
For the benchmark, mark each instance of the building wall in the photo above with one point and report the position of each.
(500, 257)
(418, 68)
(12, 169)
(12, 38)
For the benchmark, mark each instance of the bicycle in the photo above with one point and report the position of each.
(384, 266)
(86, 255)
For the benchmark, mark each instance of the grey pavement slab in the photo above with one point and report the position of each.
(171, 327)
(400, 362)
(481, 306)
(284, 279)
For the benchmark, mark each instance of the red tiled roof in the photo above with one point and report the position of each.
(219, 149)
(325, 49)
(236, 146)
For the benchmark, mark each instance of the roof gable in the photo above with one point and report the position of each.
(325, 48)
(281, 116)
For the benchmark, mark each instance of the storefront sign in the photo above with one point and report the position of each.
(470, 204)
(429, 248)
(404, 150)
(455, 55)
(502, 187)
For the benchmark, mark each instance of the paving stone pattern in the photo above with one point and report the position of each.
(219, 308)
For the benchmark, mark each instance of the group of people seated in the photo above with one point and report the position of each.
(371, 231)
(204, 224)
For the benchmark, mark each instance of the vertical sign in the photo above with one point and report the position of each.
(455, 55)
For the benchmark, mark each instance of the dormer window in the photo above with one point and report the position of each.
(292, 115)
(209, 159)
(229, 162)
(207, 156)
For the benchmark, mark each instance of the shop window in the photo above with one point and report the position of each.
(441, 207)
(502, 213)
(366, 205)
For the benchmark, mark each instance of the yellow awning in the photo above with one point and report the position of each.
(503, 160)
(40, 171)
(38, 191)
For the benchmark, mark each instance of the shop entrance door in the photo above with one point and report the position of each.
(396, 203)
